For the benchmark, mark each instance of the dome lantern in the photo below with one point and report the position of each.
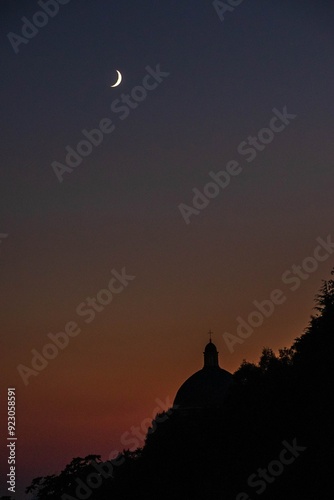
(208, 387)
(210, 355)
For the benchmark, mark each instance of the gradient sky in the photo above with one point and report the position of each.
(119, 208)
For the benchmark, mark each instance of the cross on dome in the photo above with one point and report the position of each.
(206, 388)
(210, 335)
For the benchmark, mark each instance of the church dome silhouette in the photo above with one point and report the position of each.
(206, 388)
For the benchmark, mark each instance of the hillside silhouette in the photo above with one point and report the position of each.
(273, 439)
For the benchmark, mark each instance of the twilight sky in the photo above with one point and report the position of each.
(119, 208)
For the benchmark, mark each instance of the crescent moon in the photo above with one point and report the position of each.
(119, 79)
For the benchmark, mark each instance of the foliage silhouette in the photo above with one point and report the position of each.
(210, 454)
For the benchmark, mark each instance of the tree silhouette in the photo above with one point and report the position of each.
(211, 454)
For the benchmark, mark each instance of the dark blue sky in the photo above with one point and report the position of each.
(119, 207)
(224, 80)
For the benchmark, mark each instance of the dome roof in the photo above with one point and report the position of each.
(206, 388)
